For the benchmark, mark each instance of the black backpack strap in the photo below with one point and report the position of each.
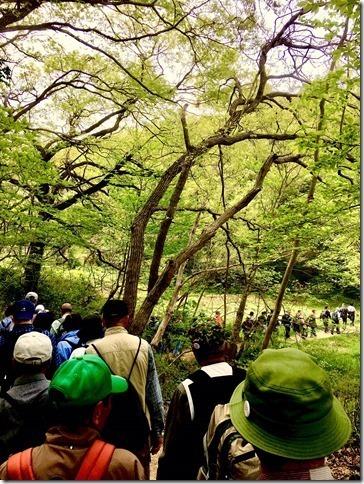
(111, 371)
(135, 357)
(103, 359)
(213, 447)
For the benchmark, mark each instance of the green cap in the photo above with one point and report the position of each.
(84, 381)
(286, 407)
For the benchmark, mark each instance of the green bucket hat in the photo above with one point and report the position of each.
(84, 381)
(286, 407)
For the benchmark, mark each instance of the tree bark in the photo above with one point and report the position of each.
(33, 266)
(240, 313)
(173, 301)
(157, 338)
(280, 296)
(143, 314)
(165, 225)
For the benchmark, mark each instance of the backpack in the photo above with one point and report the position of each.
(32, 422)
(93, 466)
(230, 456)
(127, 425)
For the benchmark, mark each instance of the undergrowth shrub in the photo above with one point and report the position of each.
(54, 289)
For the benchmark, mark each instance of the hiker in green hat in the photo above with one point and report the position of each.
(80, 394)
(286, 409)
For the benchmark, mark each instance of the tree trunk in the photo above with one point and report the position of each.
(280, 296)
(138, 231)
(173, 301)
(240, 313)
(145, 310)
(157, 338)
(198, 302)
(165, 225)
(33, 266)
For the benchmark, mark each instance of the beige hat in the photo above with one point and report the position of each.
(33, 348)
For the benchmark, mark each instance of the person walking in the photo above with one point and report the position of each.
(218, 318)
(23, 312)
(335, 320)
(248, 326)
(286, 409)
(56, 328)
(124, 352)
(344, 314)
(325, 317)
(311, 321)
(193, 401)
(90, 331)
(79, 392)
(351, 314)
(287, 322)
(24, 409)
(32, 297)
(69, 339)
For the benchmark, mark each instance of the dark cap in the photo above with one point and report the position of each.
(23, 310)
(206, 336)
(115, 308)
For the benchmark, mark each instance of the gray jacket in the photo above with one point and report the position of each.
(24, 414)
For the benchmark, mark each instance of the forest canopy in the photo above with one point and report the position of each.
(155, 147)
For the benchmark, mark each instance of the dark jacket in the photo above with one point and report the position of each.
(24, 415)
(188, 418)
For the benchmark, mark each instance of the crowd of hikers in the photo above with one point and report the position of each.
(81, 400)
(300, 323)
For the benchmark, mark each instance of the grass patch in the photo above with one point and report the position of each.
(340, 357)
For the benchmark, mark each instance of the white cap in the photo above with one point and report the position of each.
(32, 294)
(33, 348)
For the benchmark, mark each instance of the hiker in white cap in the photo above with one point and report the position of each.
(24, 414)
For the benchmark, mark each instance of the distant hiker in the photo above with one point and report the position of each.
(56, 328)
(286, 410)
(23, 312)
(299, 324)
(124, 352)
(335, 319)
(248, 326)
(344, 314)
(43, 320)
(32, 297)
(351, 314)
(69, 339)
(218, 318)
(79, 392)
(311, 321)
(7, 322)
(24, 410)
(263, 320)
(194, 400)
(39, 308)
(325, 316)
(90, 331)
(287, 322)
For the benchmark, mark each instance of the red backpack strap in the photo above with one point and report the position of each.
(20, 466)
(96, 461)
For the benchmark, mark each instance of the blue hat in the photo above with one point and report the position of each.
(23, 310)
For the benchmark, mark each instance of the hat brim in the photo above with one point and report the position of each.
(326, 436)
(118, 384)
